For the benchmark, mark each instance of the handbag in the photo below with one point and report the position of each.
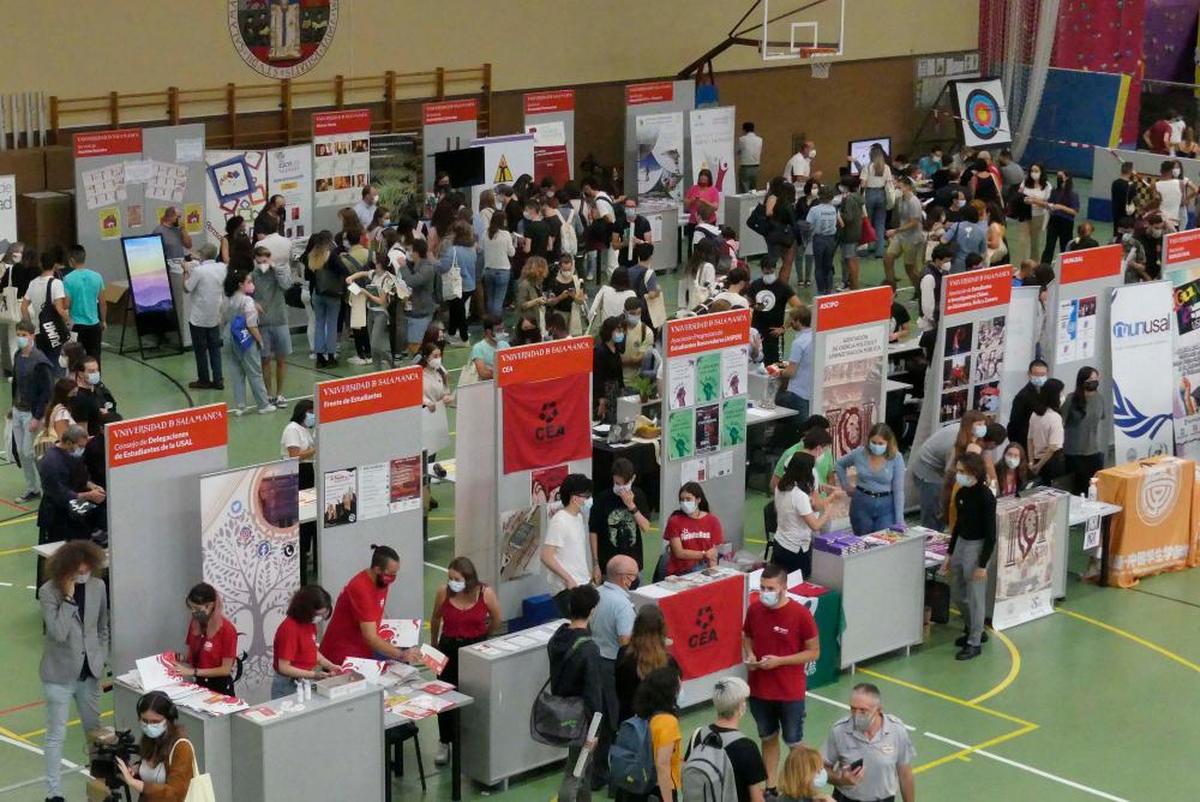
(868, 234)
(757, 221)
(468, 375)
(200, 788)
(241, 335)
(559, 720)
(293, 296)
(892, 194)
(10, 301)
(452, 285)
(52, 331)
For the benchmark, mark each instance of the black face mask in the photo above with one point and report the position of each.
(1091, 386)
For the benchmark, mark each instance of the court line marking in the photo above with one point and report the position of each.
(17, 550)
(28, 747)
(1154, 647)
(437, 537)
(19, 519)
(19, 708)
(25, 736)
(971, 750)
(946, 697)
(1039, 772)
(1014, 668)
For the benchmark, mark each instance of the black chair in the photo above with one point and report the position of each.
(770, 524)
(393, 745)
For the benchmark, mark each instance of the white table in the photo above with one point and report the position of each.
(904, 347)
(756, 415)
(893, 386)
(1081, 510)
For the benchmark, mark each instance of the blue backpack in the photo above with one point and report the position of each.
(631, 758)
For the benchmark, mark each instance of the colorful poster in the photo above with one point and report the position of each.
(1186, 396)
(250, 552)
(110, 222)
(374, 490)
(681, 382)
(733, 422)
(1025, 531)
(289, 173)
(735, 369)
(520, 540)
(544, 484)
(193, 218)
(708, 429)
(660, 156)
(341, 497)
(1077, 329)
(396, 170)
(852, 383)
(236, 185)
(546, 422)
(149, 282)
(712, 135)
(404, 483)
(341, 163)
(1143, 391)
(681, 434)
(708, 378)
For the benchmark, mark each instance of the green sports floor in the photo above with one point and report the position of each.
(1098, 701)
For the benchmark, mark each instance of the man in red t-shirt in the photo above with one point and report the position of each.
(353, 629)
(778, 639)
(1158, 136)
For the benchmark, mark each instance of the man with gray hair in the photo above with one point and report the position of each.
(730, 695)
(869, 754)
(611, 627)
(64, 481)
(205, 286)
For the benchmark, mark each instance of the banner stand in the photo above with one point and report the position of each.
(1181, 267)
(1143, 392)
(550, 117)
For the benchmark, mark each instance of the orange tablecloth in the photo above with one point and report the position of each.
(1154, 530)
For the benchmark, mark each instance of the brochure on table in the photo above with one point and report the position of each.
(704, 386)
(1181, 267)
(446, 125)
(550, 117)
(1078, 320)
(153, 467)
(368, 485)
(341, 162)
(1143, 390)
(665, 106)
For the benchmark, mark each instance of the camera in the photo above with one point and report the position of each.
(120, 744)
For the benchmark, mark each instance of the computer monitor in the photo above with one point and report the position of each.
(860, 150)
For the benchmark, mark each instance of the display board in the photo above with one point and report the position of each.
(475, 486)
(1078, 320)
(850, 336)
(505, 158)
(341, 159)
(660, 156)
(236, 185)
(1025, 532)
(369, 472)
(982, 115)
(544, 432)
(712, 143)
(964, 372)
(290, 174)
(8, 208)
(550, 117)
(704, 386)
(446, 125)
(154, 309)
(250, 552)
(1142, 344)
(859, 151)
(153, 465)
(1019, 349)
(1181, 267)
(652, 100)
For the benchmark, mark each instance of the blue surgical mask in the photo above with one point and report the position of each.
(688, 506)
(979, 430)
(964, 479)
(619, 337)
(878, 449)
(587, 505)
(820, 779)
(77, 452)
(310, 420)
(769, 597)
(633, 320)
(456, 585)
(1037, 381)
(22, 343)
(154, 730)
(93, 377)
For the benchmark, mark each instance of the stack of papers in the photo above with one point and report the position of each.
(370, 670)
(403, 633)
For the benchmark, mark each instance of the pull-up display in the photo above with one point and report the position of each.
(149, 284)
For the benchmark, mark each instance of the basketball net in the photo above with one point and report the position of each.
(820, 67)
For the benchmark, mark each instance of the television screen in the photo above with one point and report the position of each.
(149, 284)
(465, 166)
(860, 151)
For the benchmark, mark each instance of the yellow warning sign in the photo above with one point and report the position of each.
(503, 171)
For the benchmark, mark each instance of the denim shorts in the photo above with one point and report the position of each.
(277, 341)
(770, 715)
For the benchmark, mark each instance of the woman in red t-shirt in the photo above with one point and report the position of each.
(211, 642)
(296, 654)
(465, 611)
(693, 533)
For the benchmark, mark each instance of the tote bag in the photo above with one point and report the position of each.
(52, 329)
(452, 285)
(200, 789)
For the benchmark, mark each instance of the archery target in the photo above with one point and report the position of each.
(982, 117)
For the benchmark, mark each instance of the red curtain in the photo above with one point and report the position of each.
(705, 626)
(547, 423)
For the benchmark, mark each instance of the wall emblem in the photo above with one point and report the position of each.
(282, 38)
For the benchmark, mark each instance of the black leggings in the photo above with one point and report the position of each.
(1058, 232)
(450, 647)
(1082, 468)
(457, 309)
(792, 560)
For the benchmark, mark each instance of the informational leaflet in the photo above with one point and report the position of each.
(1077, 329)
(166, 182)
(104, 186)
(373, 490)
(733, 422)
(681, 435)
(404, 483)
(708, 378)
(735, 367)
(341, 497)
(693, 470)
(403, 633)
(720, 464)
(708, 429)
(681, 382)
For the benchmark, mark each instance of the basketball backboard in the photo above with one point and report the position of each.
(794, 31)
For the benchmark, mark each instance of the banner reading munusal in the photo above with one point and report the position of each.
(1141, 346)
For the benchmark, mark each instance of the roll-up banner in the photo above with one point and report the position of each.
(1078, 320)
(712, 143)
(705, 384)
(1020, 348)
(550, 117)
(660, 100)
(446, 125)
(8, 208)
(154, 466)
(341, 162)
(964, 372)
(290, 174)
(369, 473)
(1181, 267)
(1142, 344)
(850, 336)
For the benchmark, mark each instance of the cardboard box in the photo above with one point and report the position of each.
(29, 166)
(45, 219)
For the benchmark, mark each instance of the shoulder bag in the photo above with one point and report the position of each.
(452, 286)
(200, 789)
(559, 720)
(10, 301)
(52, 329)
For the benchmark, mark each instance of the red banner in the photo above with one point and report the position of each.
(977, 289)
(368, 394)
(552, 163)
(181, 432)
(691, 335)
(1182, 246)
(551, 101)
(547, 422)
(450, 111)
(539, 361)
(1091, 264)
(855, 308)
(350, 121)
(657, 92)
(705, 626)
(122, 142)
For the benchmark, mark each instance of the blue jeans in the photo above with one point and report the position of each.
(495, 286)
(931, 503)
(282, 686)
(824, 246)
(86, 694)
(871, 514)
(206, 346)
(786, 398)
(24, 439)
(326, 309)
(878, 214)
(770, 716)
(246, 367)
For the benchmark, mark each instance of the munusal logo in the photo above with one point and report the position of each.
(1157, 325)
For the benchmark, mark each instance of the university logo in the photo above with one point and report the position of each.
(1157, 495)
(706, 628)
(282, 38)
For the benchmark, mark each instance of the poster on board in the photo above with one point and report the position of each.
(236, 186)
(341, 151)
(289, 173)
(1024, 558)
(712, 137)
(8, 208)
(660, 156)
(1142, 344)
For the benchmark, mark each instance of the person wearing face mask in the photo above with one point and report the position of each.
(612, 629)
(565, 556)
(1031, 210)
(608, 373)
(84, 288)
(243, 348)
(779, 638)
(567, 294)
(618, 520)
(730, 697)
(270, 219)
(64, 478)
(32, 387)
(877, 496)
(869, 754)
(797, 516)
(353, 629)
(1084, 412)
(48, 288)
(1149, 233)
(483, 353)
(75, 638)
(296, 655)
(298, 442)
(1025, 400)
(1133, 252)
(701, 202)
(168, 760)
(1012, 472)
(211, 642)
(575, 671)
(1062, 205)
(692, 533)
(465, 611)
(272, 277)
(92, 404)
(972, 541)
(798, 369)
(1176, 194)
(803, 776)
(929, 294)
(639, 339)
(771, 297)
(632, 227)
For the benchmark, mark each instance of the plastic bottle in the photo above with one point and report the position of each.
(1093, 491)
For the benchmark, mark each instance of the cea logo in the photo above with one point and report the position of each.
(1158, 325)
(706, 628)
(549, 429)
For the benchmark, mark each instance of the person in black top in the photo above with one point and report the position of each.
(771, 296)
(535, 231)
(270, 219)
(608, 379)
(92, 405)
(646, 652)
(984, 185)
(1150, 234)
(618, 520)
(971, 545)
(1122, 192)
(575, 670)
(641, 233)
(553, 222)
(65, 479)
(730, 695)
(900, 320)
(1024, 402)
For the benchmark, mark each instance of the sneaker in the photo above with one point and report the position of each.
(358, 360)
(313, 355)
(968, 653)
(281, 402)
(268, 409)
(236, 411)
(200, 385)
(443, 755)
(961, 641)
(218, 385)
(28, 495)
(55, 799)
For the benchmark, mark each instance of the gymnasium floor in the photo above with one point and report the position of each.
(1095, 702)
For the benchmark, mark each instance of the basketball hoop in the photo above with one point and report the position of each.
(820, 59)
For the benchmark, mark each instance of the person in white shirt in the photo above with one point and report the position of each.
(749, 152)
(736, 282)
(565, 554)
(365, 208)
(799, 167)
(796, 520)
(204, 283)
(1176, 193)
(699, 278)
(48, 286)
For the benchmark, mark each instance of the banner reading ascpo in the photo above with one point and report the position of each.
(1142, 389)
(143, 439)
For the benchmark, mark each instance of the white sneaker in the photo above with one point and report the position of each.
(312, 356)
(267, 410)
(281, 402)
(443, 755)
(358, 360)
(236, 411)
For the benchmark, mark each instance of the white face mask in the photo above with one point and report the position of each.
(435, 363)
(769, 597)
(1012, 461)
(263, 266)
(62, 360)
(812, 154)
(769, 278)
(456, 585)
(82, 578)
(688, 506)
(154, 730)
(1035, 174)
(820, 779)
(979, 429)
(1177, 172)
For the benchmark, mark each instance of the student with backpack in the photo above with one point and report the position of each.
(575, 671)
(645, 760)
(721, 764)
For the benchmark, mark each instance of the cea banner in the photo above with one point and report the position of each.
(546, 403)
(1142, 389)
(706, 626)
(1181, 267)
